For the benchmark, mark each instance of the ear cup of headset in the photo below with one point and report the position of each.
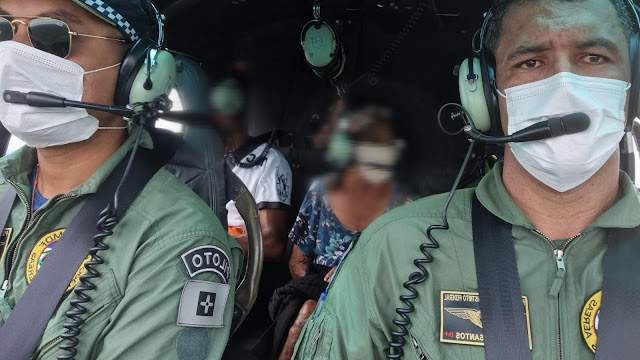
(488, 74)
(323, 51)
(472, 94)
(162, 76)
(132, 85)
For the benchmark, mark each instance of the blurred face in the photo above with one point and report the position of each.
(89, 53)
(542, 39)
(376, 151)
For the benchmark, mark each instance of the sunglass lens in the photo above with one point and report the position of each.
(50, 35)
(6, 30)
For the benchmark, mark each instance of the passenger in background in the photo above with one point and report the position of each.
(261, 167)
(336, 210)
(267, 175)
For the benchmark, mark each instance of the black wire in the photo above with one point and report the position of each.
(417, 277)
(107, 221)
(261, 158)
(465, 118)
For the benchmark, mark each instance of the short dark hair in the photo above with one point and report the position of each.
(501, 7)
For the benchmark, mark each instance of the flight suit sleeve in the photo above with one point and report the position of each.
(346, 325)
(172, 307)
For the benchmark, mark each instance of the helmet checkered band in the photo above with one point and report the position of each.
(110, 15)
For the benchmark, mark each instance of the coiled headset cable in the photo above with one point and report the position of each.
(107, 221)
(403, 322)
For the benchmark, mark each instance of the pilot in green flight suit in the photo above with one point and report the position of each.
(167, 285)
(560, 196)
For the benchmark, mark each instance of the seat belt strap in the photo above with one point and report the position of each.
(7, 199)
(23, 330)
(619, 319)
(6, 202)
(503, 313)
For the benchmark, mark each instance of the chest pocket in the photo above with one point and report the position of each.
(104, 299)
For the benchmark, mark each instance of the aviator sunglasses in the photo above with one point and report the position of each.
(46, 34)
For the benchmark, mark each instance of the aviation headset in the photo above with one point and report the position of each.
(147, 70)
(477, 81)
(323, 49)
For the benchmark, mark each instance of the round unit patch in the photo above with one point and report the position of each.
(589, 318)
(40, 251)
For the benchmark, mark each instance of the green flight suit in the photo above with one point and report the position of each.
(134, 309)
(355, 320)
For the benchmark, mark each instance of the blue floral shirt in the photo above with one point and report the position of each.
(317, 231)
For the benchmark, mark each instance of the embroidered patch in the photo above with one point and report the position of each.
(282, 185)
(461, 320)
(4, 239)
(40, 251)
(207, 259)
(202, 304)
(589, 320)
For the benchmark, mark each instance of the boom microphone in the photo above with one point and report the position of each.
(564, 125)
(37, 99)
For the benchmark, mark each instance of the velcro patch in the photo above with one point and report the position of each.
(202, 304)
(207, 258)
(461, 320)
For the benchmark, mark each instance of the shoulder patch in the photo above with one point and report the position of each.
(202, 304)
(282, 185)
(207, 258)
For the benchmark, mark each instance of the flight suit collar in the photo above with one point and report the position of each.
(624, 213)
(17, 166)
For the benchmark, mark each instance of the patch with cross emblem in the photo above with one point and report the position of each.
(202, 304)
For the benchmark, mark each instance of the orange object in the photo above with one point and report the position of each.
(237, 230)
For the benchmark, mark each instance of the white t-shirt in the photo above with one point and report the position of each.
(269, 183)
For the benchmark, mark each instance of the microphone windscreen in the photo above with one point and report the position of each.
(575, 123)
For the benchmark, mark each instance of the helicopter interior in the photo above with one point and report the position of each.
(402, 50)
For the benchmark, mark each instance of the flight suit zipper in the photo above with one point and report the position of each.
(558, 279)
(23, 196)
(30, 222)
(421, 354)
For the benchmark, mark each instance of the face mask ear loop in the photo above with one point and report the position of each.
(102, 69)
(500, 93)
(628, 87)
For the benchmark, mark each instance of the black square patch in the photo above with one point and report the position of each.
(461, 320)
(206, 302)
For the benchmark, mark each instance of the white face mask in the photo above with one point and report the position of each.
(375, 161)
(25, 69)
(564, 162)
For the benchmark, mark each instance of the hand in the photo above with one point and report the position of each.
(327, 277)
